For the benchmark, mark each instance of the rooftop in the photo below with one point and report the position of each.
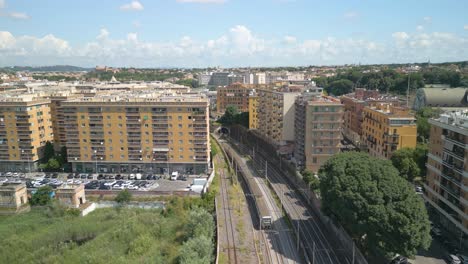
(456, 118)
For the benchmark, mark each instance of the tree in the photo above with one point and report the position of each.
(403, 160)
(198, 250)
(42, 196)
(200, 223)
(340, 87)
(420, 157)
(123, 197)
(377, 207)
(229, 115)
(49, 151)
(52, 165)
(311, 180)
(423, 126)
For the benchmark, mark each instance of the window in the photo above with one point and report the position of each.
(179, 118)
(181, 156)
(314, 160)
(180, 125)
(181, 133)
(121, 148)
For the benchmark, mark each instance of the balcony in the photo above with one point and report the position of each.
(134, 128)
(134, 135)
(200, 135)
(455, 140)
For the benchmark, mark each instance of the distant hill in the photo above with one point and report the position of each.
(55, 68)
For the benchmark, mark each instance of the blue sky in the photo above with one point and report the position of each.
(199, 33)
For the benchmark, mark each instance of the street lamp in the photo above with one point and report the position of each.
(95, 158)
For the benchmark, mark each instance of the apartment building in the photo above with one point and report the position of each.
(138, 132)
(446, 188)
(25, 127)
(259, 78)
(387, 128)
(253, 108)
(56, 113)
(219, 79)
(354, 104)
(232, 78)
(236, 95)
(275, 115)
(317, 126)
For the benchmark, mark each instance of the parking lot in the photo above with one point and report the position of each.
(140, 182)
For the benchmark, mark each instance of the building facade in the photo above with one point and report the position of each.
(318, 122)
(253, 114)
(25, 127)
(149, 132)
(13, 198)
(446, 188)
(275, 114)
(387, 128)
(219, 79)
(236, 95)
(72, 195)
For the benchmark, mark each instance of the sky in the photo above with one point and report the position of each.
(231, 33)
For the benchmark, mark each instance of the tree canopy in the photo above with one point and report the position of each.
(403, 160)
(233, 116)
(340, 87)
(422, 122)
(42, 196)
(376, 206)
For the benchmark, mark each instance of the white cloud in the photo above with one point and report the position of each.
(420, 28)
(132, 6)
(203, 1)
(351, 15)
(427, 19)
(238, 46)
(136, 24)
(465, 27)
(18, 15)
(290, 39)
(2, 3)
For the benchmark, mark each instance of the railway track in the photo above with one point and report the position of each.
(307, 223)
(228, 222)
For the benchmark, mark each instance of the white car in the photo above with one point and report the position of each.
(118, 187)
(77, 182)
(15, 174)
(132, 176)
(132, 187)
(110, 183)
(9, 174)
(4, 180)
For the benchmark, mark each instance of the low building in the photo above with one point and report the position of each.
(317, 126)
(447, 174)
(72, 195)
(387, 128)
(13, 198)
(441, 97)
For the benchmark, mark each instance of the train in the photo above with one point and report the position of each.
(265, 218)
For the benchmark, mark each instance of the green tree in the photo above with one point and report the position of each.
(49, 151)
(123, 197)
(52, 165)
(198, 250)
(340, 87)
(403, 160)
(42, 196)
(200, 223)
(229, 115)
(311, 180)
(377, 207)
(423, 126)
(420, 157)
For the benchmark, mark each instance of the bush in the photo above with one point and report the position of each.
(123, 197)
(42, 196)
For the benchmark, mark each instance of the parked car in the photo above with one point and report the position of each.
(452, 259)
(83, 175)
(9, 174)
(70, 176)
(55, 175)
(118, 177)
(463, 258)
(132, 176)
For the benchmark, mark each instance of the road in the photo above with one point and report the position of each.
(318, 242)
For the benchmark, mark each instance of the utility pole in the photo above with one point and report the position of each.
(313, 253)
(297, 236)
(407, 92)
(266, 170)
(353, 252)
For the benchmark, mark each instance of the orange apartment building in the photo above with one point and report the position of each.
(236, 95)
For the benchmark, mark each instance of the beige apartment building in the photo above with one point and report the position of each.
(275, 115)
(253, 114)
(446, 188)
(236, 95)
(318, 122)
(25, 127)
(387, 128)
(138, 132)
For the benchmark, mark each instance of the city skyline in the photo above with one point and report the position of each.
(202, 33)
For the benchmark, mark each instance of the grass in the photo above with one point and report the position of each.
(47, 235)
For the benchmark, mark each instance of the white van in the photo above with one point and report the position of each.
(174, 175)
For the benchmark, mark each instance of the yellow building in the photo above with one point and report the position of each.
(387, 128)
(253, 108)
(138, 132)
(236, 95)
(25, 127)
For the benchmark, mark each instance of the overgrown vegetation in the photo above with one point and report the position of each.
(53, 234)
(232, 117)
(311, 180)
(377, 207)
(423, 126)
(139, 75)
(123, 197)
(42, 196)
